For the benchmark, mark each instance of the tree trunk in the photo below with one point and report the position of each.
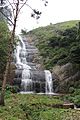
(6, 74)
(3, 85)
(9, 59)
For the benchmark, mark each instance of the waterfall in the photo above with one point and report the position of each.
(21, 63)
(48, 83)
(32, 79)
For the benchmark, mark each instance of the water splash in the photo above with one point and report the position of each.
(49, 83)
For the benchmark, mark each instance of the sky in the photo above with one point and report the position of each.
(56, 11)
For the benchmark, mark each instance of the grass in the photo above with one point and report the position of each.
(51, 30)
(35, 107)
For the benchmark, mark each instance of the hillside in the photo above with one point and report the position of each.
(59, 51)
(58, 44)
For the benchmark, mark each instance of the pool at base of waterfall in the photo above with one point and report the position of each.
(31, 92)
(22, 92)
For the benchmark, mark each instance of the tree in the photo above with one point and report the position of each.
(4, 37)
(16, 6)
(4, 10)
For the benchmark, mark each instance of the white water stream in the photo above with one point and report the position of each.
(49, 83)
(22, 63)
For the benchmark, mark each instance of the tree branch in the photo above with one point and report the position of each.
(30, 7)
(11, 6)
(7, 18)
(22, 6)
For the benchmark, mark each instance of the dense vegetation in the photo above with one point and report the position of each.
(35, 107)
(58, 44)
(4, 38)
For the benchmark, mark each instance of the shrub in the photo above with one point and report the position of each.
(71, 90)
(15, 89)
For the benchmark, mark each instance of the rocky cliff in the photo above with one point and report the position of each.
(67, 76)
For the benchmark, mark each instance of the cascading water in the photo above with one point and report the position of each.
(21, 63)
(28, 83)
(49, 83)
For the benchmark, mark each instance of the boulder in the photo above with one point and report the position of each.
(67, 76)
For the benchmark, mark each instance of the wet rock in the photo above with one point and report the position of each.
(17, 81)
(18, 73)
(68, 105)
(64, 106)
(38, 76)
(67, 76)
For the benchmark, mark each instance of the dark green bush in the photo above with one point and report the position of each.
(15, 89)
(71, 90)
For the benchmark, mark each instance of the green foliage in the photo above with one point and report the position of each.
(58, 44)
(74, 96)
(23, 32)
(71, 90)
(13, 89)
(75, 53)
(35, 107)
(4, 37)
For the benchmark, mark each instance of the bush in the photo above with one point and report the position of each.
(71, 90)
(15, 89)
(8, 87)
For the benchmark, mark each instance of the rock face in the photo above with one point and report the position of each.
(36, 58)
(66, 76)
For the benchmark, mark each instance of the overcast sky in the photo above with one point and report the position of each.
(56, 11)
